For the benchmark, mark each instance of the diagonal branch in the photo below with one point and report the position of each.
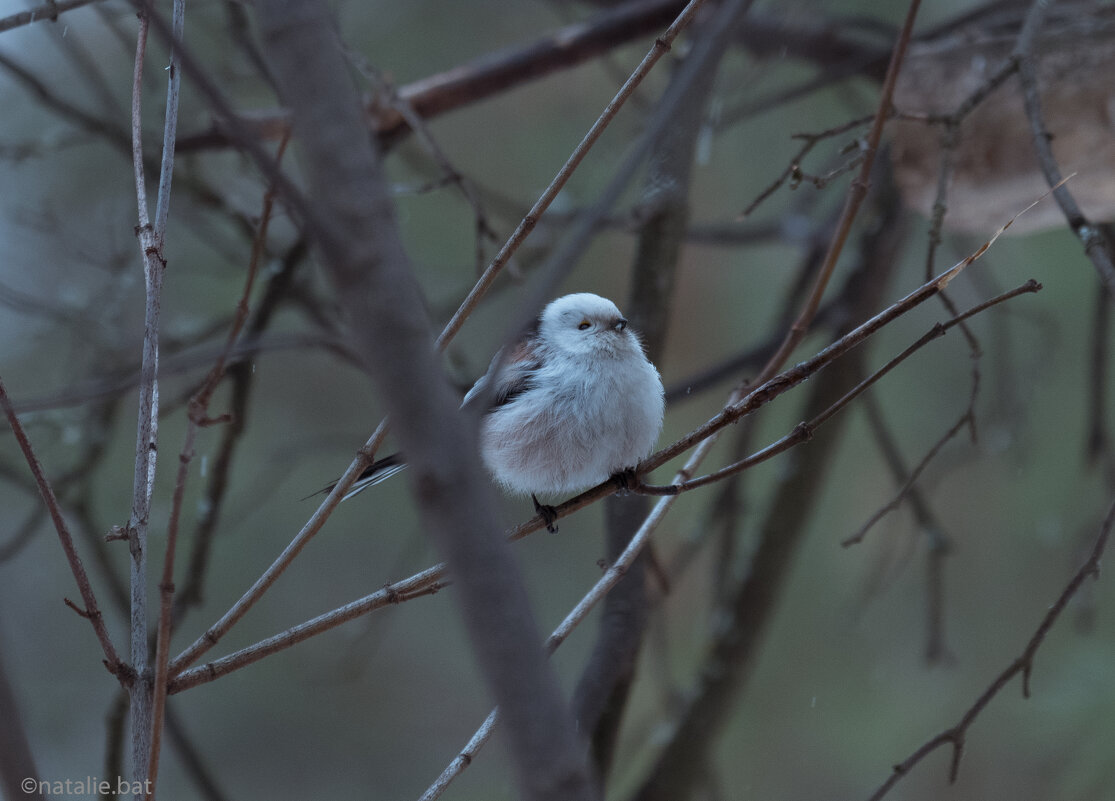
(427, 582)
(351, 219)
(1024, 665)
(433, 578)
(911, 481)
(91, 611)
(479, 79)
(804, 431)
(47, 12)
(601, 693)
(662, 44)
(852, 201)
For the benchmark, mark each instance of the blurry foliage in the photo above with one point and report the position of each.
(841, 689)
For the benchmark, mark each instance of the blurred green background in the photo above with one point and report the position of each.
(376, 708)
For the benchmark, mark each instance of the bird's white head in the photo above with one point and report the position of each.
(585, 323)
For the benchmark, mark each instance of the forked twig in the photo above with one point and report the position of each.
(433, 578)
(1023, 664)
(218, 629)
(804, 431)
(911, 482)
(197, 417)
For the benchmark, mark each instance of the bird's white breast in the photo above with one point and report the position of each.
(580, 422)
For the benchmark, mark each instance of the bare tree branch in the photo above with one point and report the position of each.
(911, 481)
(213, 634)
(152, 238)
(939, 546)
(47, 12)
(146, 434)
(749, 604)
(804, 431)
(90, 611)
(384, 310)
(575, 241)
(1097, 246)
(1024, 665)
(852, 201)
(484, 77)
(197, 417)
(426, 582)
(602, 690)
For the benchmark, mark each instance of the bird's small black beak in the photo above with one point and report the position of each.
(619, 325)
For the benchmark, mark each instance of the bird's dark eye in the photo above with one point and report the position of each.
(584, 326)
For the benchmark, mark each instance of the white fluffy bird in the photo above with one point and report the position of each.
(574, 402)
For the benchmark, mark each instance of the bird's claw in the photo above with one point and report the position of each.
(548, 514)
(628, 480)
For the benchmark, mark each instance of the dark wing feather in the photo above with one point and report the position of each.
(515, 376)
(518, 374)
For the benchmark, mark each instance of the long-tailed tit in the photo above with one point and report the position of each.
(573, 403)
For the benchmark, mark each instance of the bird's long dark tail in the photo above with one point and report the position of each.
(377, 471)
